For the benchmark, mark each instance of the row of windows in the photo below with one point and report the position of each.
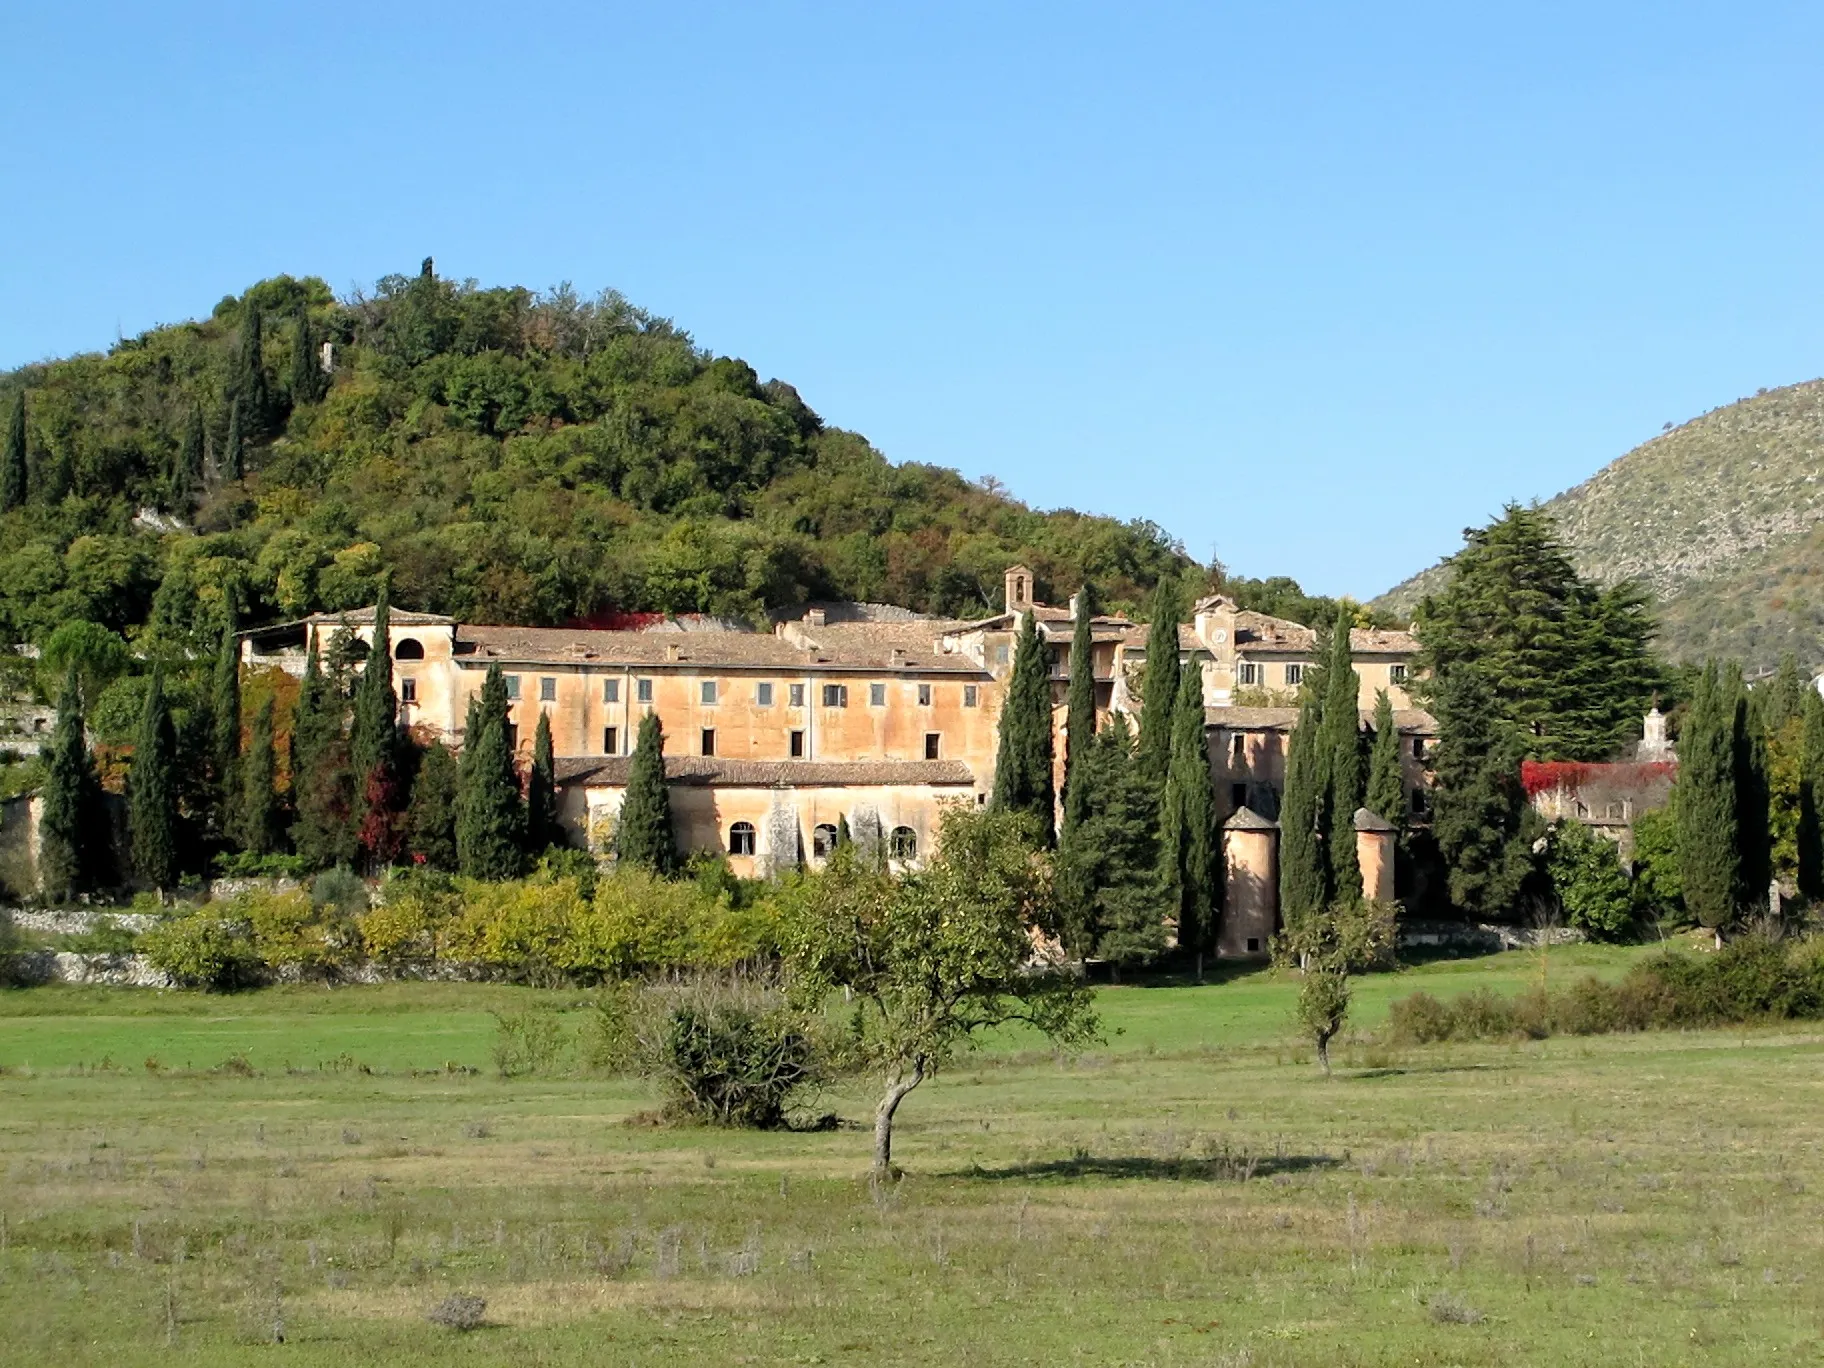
(1252, 672)
(706, 743)
(902, 842)
(710, 693)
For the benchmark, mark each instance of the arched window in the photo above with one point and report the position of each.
(741, 838)
(408, 648)
(902, 844)
(823, 840)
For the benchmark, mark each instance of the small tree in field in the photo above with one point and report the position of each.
(1323, 1007)
(936, 959)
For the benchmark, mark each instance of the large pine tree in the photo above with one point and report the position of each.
(187, 470)
(304, 368)
(234, 450)
(1114, 907)
(1159, 683)
(490, 814)
(1346, 787)
(72, 829)
(152, 791)
(322, 777)
(1080, 701)
(1484, 826)
(249, 382)
(1187, 828)
(1704, 800)
(256, 809)
(12, 456)
(643, 836)
(1304, 865)
(1386, 795)
(1567, 664)
(1022, 772)
(542, 830)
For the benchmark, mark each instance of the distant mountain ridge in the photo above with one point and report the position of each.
(1722, 519)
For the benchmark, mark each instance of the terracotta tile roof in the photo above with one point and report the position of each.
(611, 772)
(1246, 819)
(1283, 719)
(742, 650)
(1138, 636)
(873, 643)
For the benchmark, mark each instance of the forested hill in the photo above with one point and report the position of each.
(1721, 519)
(509, 456)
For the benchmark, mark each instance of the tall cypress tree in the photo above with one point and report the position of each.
(542, 831)
(644, 836)
(187, 473)
(152, 791)
(374, 734)
(1386, 795)
(71, 854)
(1187, 834)
(1484, 826)
(1159, 686)
(324, 790)
(1347, 783)
(1080, 702)
(1753, 799)
(1022, 774)
(1785, 695)
(1304, 866)
(250, 374)
(490, 815)
(1811, 797)
(12, 457)
(234, 453)
(304, 368)
(225, 718)
(1704, 800)
(256, 814)
(431, 818)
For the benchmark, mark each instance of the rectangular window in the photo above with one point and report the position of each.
(611, 740)
(611, 691)
(642, 690)
(969, 695)
(763, 695)
(1253, 945)
(512, 737)
(1418, 748)
(1238, 796)
(1247, 673)
(835, 695)
(924, 695)
(877, 695)
(408, 691)
(512, 682)
(797, 745)
(708, 692)
(1000, 655)
(1396, 674)
(1238, 748)
(797, 695)
(1419, 802)
(1295, 674)
(933, 743)
(709, 741)
(547, 689)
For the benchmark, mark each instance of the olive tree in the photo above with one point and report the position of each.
(933, 960)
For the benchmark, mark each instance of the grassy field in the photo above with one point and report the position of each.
(1191, 1193)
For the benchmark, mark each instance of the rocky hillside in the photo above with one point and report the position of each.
(1722, 519)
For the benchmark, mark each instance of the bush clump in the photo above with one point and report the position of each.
(1752, 979)
(204, 950)
(460, 1312)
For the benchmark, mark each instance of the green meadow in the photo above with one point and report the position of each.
(300, 1174)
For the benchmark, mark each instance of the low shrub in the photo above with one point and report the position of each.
(729, 1064)
(105, 936)
(204, 950)
(243, 864)
(529, 1042)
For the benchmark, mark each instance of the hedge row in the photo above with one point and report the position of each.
(1749, 980)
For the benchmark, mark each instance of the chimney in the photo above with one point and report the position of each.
(671, 651)
(1019, 589)
(328, 358)
(816, 617)
(1075, 602)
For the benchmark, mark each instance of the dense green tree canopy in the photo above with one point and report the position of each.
(513, 456)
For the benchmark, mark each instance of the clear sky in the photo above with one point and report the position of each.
(1311, 286)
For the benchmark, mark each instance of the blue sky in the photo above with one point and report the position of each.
(1311, 286)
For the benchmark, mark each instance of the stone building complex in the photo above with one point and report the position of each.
(849, 712)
